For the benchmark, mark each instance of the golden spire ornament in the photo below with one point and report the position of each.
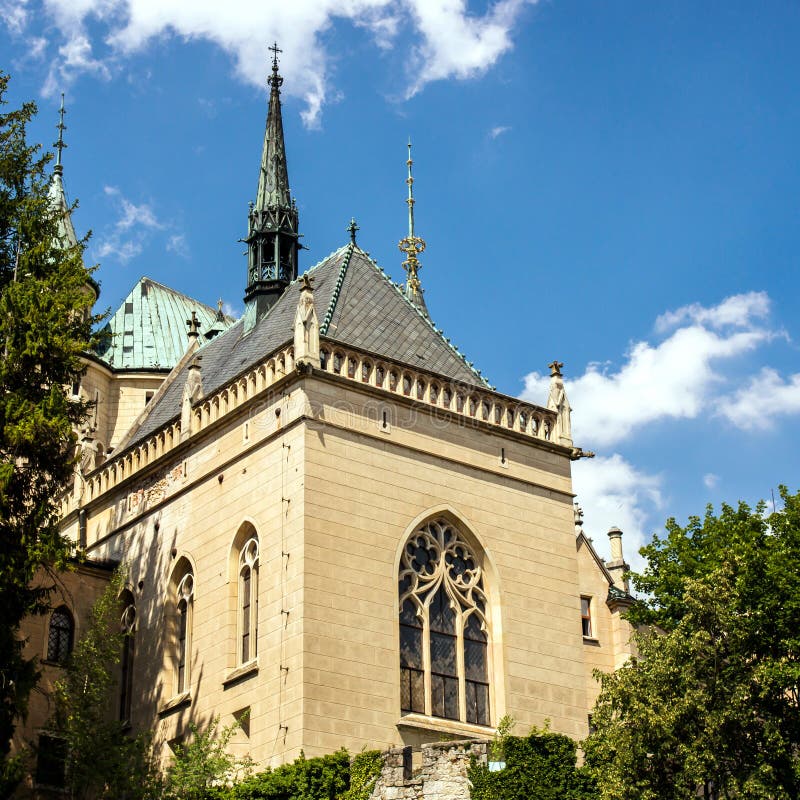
(412, 246)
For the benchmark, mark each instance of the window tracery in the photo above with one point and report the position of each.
(444, 632)
(185, 597)
(248, 600)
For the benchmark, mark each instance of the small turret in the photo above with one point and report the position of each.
(617, 566)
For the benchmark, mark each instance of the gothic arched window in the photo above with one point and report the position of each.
(444, 670)
(60, 635)
(128, 628)
(248, 601)
(183, 608)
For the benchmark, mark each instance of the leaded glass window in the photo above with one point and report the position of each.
(248, 601)
(60, 635)
(444, 632)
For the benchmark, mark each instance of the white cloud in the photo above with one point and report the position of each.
(738, 310)
(121, 251)
(132, 215)
(766, 396)
(75, 56)
(612, 492)
(231, 310)
(129, 233)
(14, 15)
(499, 130)
(451, 41)
(177, 244)
(456, 44)
(676, 378)
(710, 480)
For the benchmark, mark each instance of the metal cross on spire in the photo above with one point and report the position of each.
(353, 228)
(275, 79)
(60, 145)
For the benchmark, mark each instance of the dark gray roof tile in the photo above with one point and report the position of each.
(368, 312)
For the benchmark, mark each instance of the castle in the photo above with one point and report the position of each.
(332, 526)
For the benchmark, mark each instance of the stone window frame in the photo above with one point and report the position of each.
(587, 622)
(467, 597)
(60, 635)
(180, 624)
(247, 601)
(127, 626)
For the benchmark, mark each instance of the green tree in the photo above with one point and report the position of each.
(203, 768)
(44, 328)
(711, 702)
(102, 761)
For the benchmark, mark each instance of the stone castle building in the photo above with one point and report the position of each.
(327, 517)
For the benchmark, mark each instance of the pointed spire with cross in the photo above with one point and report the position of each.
(353, 229)
(273, 238)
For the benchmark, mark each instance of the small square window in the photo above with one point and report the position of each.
(586, 617)
(148, 396)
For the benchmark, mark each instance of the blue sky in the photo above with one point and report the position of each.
(613, 184)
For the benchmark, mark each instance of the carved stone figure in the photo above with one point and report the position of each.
(306, 326)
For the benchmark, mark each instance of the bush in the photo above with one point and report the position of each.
(541, 766)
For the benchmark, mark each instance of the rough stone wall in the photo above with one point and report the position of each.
(442, 776)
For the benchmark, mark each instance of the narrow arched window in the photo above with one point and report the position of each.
(60, 635)
(248, 601)
(128, 628)
(444, 631)
(184, 599)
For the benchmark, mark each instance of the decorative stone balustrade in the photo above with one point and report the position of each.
(468, 402)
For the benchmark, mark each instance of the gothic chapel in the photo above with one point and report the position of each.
(328, 518)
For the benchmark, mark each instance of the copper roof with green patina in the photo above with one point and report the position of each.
(149, 330)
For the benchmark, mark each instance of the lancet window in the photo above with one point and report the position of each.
(184, 602)
(248, 600)
(128, 628)
(444, 630)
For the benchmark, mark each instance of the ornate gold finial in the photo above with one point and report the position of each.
(412, 245)
(59, 145)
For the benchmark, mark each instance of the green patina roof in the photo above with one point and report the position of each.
(149, 331)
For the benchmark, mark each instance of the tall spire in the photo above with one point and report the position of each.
(412, 246)
(58, 198)
(273, 181)
(273, 220)
(59, 145)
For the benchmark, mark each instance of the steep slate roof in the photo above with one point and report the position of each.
(148, 331)
(356, 303)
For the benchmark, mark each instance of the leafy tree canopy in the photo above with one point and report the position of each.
(711, 702)
(45, 325)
